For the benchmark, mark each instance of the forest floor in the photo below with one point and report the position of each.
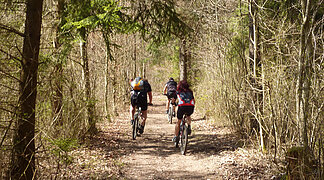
(213, 152)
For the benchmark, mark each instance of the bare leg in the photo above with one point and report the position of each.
(132, 111)
(173, 102)
(188, 120)
(177, 128)
(167, 104)
(144, 115)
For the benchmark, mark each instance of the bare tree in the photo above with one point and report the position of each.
(255, 67)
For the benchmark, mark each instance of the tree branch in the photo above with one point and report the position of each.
(11, 56)
(11, 29)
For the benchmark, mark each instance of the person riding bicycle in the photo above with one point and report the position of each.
(140, 89)
(186, 106)
(170, 89)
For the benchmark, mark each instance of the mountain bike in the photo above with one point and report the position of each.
(170, 110)
(136, 123)
(182, 140)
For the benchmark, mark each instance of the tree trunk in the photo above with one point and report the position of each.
(58, 69)
(183, 58)
(304, 72)
(23, 160)
(144, 70)
(89, 100)
(256, 68)
(135, 57)
(114, 86)
(107, 74)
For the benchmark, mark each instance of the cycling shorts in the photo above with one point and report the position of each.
(139, 100)
(171, 95)
(182, 110)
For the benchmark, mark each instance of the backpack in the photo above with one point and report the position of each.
(186, 99)
(172, 86)
(137, 84)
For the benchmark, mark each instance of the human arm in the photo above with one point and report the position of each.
(149, 92)
(150, 97)
(165, 89)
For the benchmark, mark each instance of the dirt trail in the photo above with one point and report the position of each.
(213, 153)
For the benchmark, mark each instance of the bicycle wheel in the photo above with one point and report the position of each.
(135, 125)
(184, 140)
(170, 113)
(177, 143)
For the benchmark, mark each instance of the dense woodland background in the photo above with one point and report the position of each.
(254, 65)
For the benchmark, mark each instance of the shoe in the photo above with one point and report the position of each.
(167, 111)
(141, 129)
(174, 139)
(189, 129)
(132, 122)
(173, 114)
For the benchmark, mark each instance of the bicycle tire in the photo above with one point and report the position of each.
(135, 125)
(170, 113)
(177, 143)
(184, 140)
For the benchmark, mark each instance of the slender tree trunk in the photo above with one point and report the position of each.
(114, 86)
(134, 57)
(183, 58)
(256, 67)
(107, 74)
(144, 70)
(107, 87)
(58, 69)
(23, 160)
(304, 72)
(89, 100)
(253, 120)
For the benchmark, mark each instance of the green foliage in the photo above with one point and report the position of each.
(168, 54)
(100, 13)
(239, 42)
(45, 61)
(283, 9)
(62, 146)
(159, 21)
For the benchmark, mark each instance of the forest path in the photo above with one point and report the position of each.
(213, 152)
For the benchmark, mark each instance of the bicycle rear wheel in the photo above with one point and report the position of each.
(170, 113)
(135, 125)
(184, 140)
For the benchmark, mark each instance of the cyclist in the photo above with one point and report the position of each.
(186, 106)
(140, 89)
(170, 89)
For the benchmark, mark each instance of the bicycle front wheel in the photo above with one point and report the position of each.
(184, 140)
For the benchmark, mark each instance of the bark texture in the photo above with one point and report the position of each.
(23, 160)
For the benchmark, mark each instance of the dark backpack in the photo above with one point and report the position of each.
(186, 99)
(172, 86)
